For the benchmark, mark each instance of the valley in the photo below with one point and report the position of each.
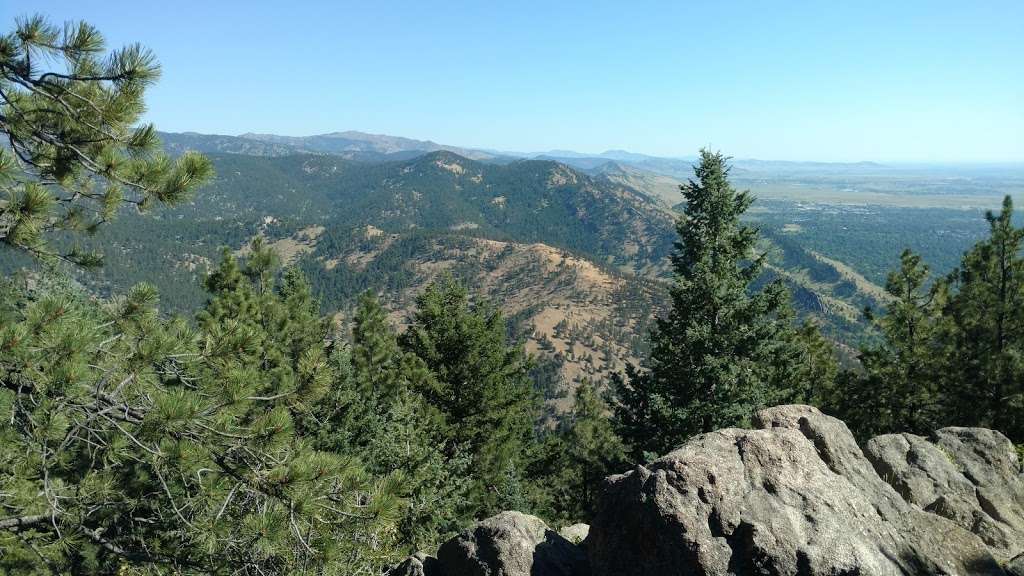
(356, 288)
(575, 248)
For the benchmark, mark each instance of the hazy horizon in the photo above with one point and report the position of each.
(599, 153)
(919, 82)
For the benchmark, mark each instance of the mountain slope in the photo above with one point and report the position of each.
(526, 201)
(577, 260)
(351, 141)
(663, 188)
(580, 319)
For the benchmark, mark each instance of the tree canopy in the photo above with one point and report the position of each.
(725, 348)
(74, 150)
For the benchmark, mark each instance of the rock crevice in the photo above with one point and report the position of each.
(796, 496)
(970, 476)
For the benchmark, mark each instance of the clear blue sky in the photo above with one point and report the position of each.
(829, 80)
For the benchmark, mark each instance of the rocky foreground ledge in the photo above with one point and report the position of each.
(796, 496)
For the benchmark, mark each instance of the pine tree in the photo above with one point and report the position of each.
(374, 411)
(817, 369)
(273, 334)
(987, 310)
(483, 387)
(898, 387)
(270, 353)
(73, 152)
(130, 440)
(724, 350)
(576, 457)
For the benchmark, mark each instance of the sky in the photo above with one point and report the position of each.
(897, 81)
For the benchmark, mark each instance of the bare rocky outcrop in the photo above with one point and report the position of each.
(795, 496)
(1015, 567)
(575, 533)
(511, 544)
(418, 564)
(508, 544)
(971, 476)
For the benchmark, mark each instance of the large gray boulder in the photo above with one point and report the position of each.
(971, 476)
(576, 533)
(511, 544)
(795, 496)
(418, 564)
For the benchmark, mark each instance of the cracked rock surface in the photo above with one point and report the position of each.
(971, 476)
(795, 496)
(511, 544)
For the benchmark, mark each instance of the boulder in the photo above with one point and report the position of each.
(418, 564)
(971, 476)
(796, 496)
(511, 544)
(576, 533)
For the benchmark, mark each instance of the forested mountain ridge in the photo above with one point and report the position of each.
(611, 219)
(580, 320)
(526, 202)
(316, 209)
(353, 141)
(522, 200)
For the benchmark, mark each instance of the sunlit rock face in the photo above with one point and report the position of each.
(794, 496)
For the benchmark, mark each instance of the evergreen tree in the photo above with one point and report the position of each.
(272, 335)
(576, 458)
(724, 350)
(817, 369)
(266, 348)
(897, 389)
(483, 387)
(73, 152)
(987, 310)
(130, 441)
(375, 411)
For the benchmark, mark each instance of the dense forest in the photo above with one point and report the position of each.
(241, 429)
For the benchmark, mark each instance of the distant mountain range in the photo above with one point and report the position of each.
(350, 145)
(355, 145)
(360, 142)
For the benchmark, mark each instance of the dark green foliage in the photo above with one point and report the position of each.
(987, 310)
(73, 152)
(483, 389)
(817, 367)
(870, 238)
(575, 458)
(133, 440)
(375, 410)
(898, 388)
(950, 351)
(724, 350)
(268, 346)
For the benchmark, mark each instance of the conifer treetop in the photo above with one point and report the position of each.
(74, 151)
